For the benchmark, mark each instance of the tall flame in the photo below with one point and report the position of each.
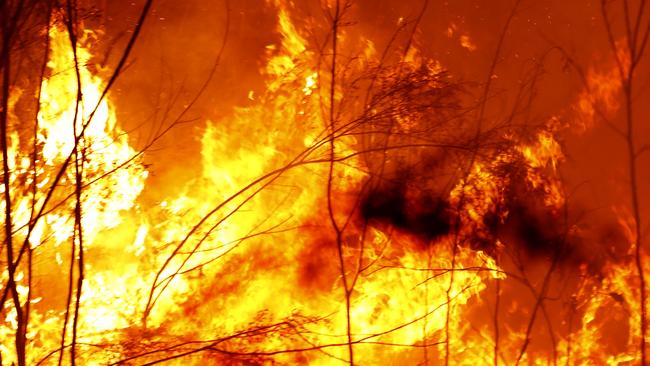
(242, 264)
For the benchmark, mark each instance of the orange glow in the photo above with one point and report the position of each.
(357, 212)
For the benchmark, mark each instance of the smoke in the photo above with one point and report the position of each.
(419, 213)
(523, 222)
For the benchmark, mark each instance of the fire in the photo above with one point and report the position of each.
(332, 219)
(113, 179)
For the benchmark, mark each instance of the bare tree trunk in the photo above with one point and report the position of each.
(336, 18)
(79, 156)
(636, 37)
(9, 19)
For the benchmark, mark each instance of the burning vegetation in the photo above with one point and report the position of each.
(366, 200)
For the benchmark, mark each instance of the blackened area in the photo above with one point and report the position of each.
(416, 212)
(537, 231)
